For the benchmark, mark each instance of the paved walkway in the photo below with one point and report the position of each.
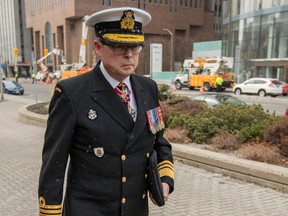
(197, 192)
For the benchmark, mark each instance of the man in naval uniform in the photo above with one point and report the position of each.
(105, 124)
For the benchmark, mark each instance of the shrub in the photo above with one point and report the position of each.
(261, 152)
(224, 141)
(177, 135)
(164, 92)
(277, 134)
(246, 123)
(184, 106)
(178, 120)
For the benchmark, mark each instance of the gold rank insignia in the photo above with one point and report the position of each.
(128, 20)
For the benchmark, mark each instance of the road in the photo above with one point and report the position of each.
(38, 92)
(43, 93)
(273, 104)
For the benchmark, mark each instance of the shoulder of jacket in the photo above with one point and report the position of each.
(74, 83)
(145, 80)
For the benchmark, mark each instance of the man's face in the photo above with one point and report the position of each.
(120, 60)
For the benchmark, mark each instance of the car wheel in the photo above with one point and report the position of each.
(262, 93)
(191, 87)
(207, 86)
(178, 85)
(284, 94)
(238, 91)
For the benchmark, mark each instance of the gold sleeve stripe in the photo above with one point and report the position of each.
(54, 210)
(55, 207)
(50, 214)
(165, 162)
(165, 167)
(168, 165)
(166, 172)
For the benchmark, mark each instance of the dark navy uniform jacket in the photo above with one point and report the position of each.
(89, 128)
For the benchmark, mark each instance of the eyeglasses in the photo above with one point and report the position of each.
(121, 50)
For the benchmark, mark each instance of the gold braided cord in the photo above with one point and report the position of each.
(129, 38)
(42, 204)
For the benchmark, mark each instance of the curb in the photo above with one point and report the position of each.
(32, 118)
(267, 175)
(252, 171)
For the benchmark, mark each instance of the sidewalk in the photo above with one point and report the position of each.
(197, 191)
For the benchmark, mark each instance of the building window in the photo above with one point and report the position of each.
(175, 6)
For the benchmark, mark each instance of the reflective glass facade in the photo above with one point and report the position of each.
(256, 35)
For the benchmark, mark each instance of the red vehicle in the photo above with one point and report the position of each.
(284, 88)
(286, 112)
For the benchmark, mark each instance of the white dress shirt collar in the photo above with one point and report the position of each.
(113, 82)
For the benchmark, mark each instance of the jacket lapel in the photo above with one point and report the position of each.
(105, 96)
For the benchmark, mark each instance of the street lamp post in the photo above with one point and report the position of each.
(1, 85)
(171, 60)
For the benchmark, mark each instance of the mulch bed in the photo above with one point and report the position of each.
(40, 108)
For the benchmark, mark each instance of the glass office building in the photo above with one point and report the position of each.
(256, 35)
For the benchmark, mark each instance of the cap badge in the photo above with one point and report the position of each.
(99, 152)
(92, 114)
(128, 20)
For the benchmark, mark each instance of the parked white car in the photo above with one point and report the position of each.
(260, 86)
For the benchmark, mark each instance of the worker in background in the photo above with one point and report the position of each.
(219, 82)
(33, 78)
(16, 76)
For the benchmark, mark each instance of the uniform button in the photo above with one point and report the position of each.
(123, 157)
(143, 196)
(123, 179)
(123, 200)
(147, 155)
(146, 175)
